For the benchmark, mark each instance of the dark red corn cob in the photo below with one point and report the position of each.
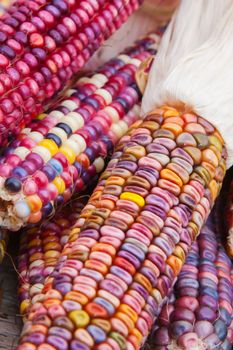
(43, 44)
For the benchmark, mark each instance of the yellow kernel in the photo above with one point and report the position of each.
(104, 324)
(195, 229)
(80, 318)
(41, 116)
(171, 113)
(24, 306)
(126, 309)
(137, 151)
(136, 198)
(175, 263)
(60, 184)
(157, 295)
(50, 145)
(176, 120)
(34, 203)
(171, 176)
(216, 151)
(77, 296)
(126, 319)
(179, 253)
(219, 136)
(115, 180)
(137, 334)
(209, 156)
(214, 188)
(68, 153)
(176, 129)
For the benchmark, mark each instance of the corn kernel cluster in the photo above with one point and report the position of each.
(60, 151)
(132, 238)
(199, 314)
(43, 44)
(40, 249)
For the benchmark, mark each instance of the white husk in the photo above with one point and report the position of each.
(194, 65)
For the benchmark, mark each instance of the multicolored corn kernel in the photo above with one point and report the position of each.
(118, 268)
(40, 249)
(61, 150)
(43, 44)
(199, 316)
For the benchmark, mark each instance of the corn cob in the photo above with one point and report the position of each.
(59, 151)
(43, 44)
(134, 235)
(229, 220)
(3, 233)
(200, 314)
(40, 248)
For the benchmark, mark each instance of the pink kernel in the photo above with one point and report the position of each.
(47, 17)
(36, 40)
(41, 179)
(7, 29)
(30, 187)
(22, 68)
(15, 45)
(13, 160)
(34, 88)
(4, 62)
(5, 170)
(52, 191)
(69, 23)
(50, 44)
(28, 28)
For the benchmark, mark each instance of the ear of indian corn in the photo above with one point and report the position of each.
(199, 315)
(3, 234)
(43, 44)
(40, 249)
(58, 152)
(229, 220)
(135, 233)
